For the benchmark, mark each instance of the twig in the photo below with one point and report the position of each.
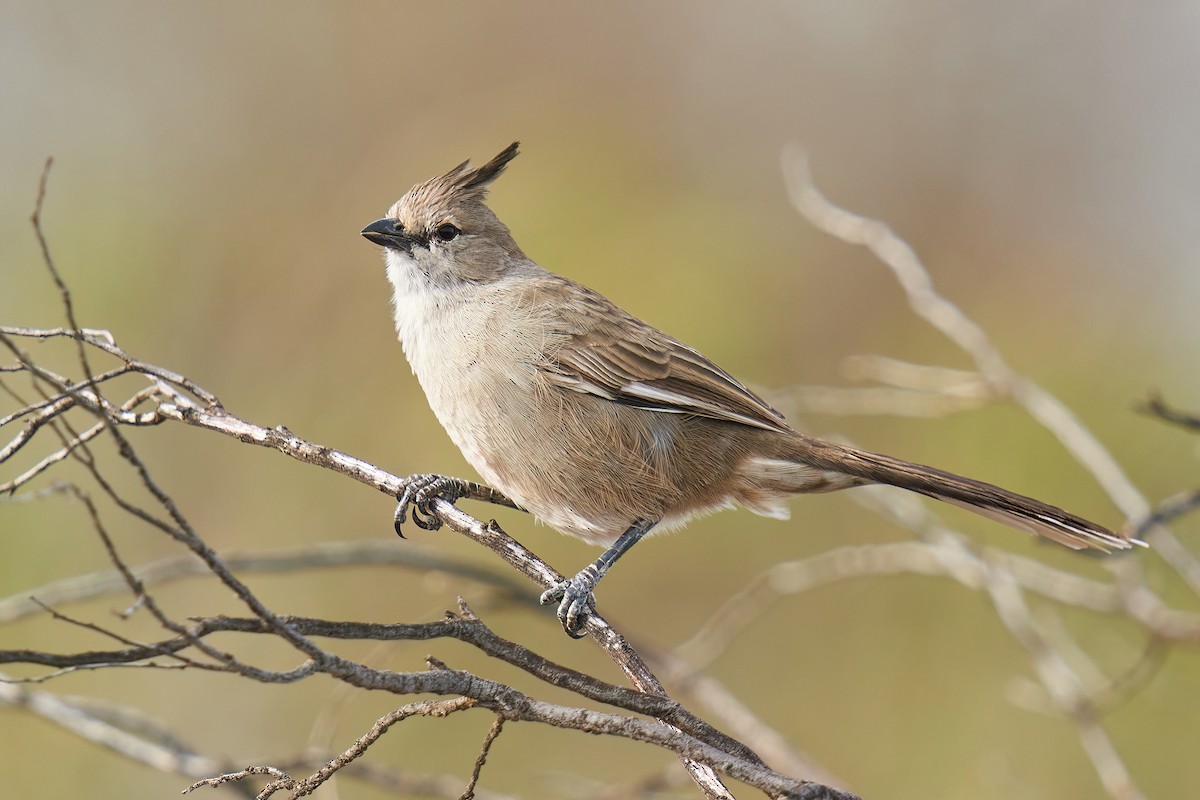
(1156, 406)
(321, 555)
(915, 390)
(485, 748)
(1063, 686)
(466, 628)
(1169, 510)
(72, 717)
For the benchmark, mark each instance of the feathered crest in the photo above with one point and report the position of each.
(465, 180)
(459, 184)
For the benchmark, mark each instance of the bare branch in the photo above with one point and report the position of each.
(466, 628)
(1156, 406)
(1169, 510)
(516, 706)
(947, 318)
(1063, 685)
(162, 755)
(492, 734)
(429, 708)
(334, 554)
(915, 390)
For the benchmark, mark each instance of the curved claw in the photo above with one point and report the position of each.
(417, 492)
(576, 602)
(424, 518)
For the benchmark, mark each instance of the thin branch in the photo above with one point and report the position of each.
(492, 734)
(1063, 686)
(1156, 406)
(429, 708)
(103, 340)
(163, 755)
(466, 628)
(516, 706)
(64, 294)
(406, 782)
(1169, 510)
(321, 555)
(70, 446)
(914, 390)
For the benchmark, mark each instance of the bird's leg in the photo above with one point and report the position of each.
(418, 491)
(575, 595)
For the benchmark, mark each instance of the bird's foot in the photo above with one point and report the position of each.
(418, 492)
(575, 600)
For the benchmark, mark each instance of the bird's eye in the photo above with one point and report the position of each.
(447, 232)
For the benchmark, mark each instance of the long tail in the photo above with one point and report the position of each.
(1001, 505)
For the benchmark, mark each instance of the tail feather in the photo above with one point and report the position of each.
(1001, 505)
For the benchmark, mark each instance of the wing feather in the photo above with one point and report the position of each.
(611, 354)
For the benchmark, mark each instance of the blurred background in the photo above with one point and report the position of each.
(215, 162)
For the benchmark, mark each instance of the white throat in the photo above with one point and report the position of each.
(424, 309)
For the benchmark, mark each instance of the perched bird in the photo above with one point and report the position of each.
(597, 423)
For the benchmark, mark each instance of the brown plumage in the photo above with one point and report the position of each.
(599, 424)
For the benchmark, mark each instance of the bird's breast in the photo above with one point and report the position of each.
(478, 359)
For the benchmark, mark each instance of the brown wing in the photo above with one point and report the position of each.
(611, 354)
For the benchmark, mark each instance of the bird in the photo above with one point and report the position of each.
(601, 425)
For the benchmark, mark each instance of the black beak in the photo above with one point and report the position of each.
(388, 233)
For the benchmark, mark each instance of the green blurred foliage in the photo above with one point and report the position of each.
(214, 164)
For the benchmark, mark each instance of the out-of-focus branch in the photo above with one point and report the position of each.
(960, 329)
(322, 555)
(512, 705)
(914, 390)
(1156, 406)
(128, 733)
(1169, 510)
(157, 751)
(1181, 504)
